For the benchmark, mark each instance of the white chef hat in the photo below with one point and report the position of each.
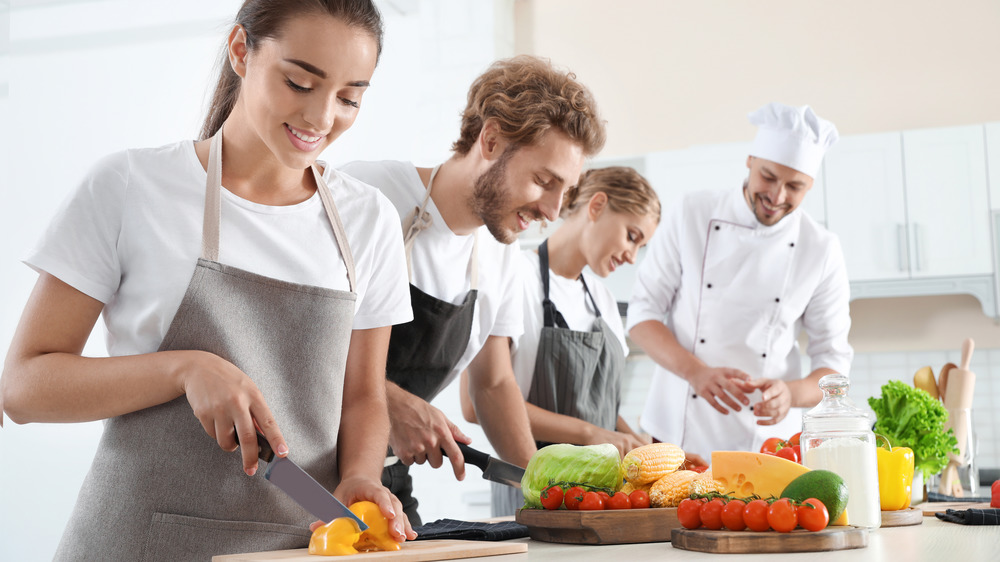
(792, 136)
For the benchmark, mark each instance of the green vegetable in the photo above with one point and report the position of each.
(909, 417)
(594, 466)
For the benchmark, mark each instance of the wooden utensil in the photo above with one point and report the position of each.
(732, 542)
(958, 401)
(942, 382)
(930, 508)
(412, 551)
(924, 380)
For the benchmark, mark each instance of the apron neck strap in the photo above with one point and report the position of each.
(213, 211)
(419, 220)
(552, 316)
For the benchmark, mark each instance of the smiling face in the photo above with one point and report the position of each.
(525, 184)
(303, 89)
(773, 191)
(612, 238)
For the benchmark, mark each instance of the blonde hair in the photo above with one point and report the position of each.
(627, 191)
(526, 96)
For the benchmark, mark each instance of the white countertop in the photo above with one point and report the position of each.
(932, 541)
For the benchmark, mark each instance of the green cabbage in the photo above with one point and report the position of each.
(591, 466)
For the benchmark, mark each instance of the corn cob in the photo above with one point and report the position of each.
(671, 489)
(649, 463)
(704, 483)
(629, 487)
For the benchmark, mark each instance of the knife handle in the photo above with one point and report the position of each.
(264, 450)
(472, 456)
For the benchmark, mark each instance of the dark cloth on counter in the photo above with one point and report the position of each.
(971, 516)
(469, 530)
(938, 497)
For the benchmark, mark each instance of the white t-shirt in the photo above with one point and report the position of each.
(440, 258)
(570, 300)
(130, 236)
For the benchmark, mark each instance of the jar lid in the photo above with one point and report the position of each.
(836, 410)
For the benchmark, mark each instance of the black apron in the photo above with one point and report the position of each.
(576, 374)
(423, 352)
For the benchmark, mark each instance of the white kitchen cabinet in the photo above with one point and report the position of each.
(947, 202)
(866, 205)
(993, 163)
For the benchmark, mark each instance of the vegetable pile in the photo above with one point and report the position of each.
(910, 417)
(593, 467)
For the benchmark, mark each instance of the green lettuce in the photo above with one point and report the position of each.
(591, 466)
(909, 417)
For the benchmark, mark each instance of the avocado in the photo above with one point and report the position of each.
(824, 485)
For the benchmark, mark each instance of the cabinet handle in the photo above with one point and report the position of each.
(917, 246)
(901, 247)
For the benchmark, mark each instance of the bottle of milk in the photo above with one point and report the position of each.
(837, 436)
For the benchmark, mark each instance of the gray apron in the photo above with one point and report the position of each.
(576, 374)
(160, 488)
(423, 352)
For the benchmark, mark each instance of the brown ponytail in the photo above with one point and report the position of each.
(627, 191)
(263, 19)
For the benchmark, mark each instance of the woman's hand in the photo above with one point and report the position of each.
(229, 405)
(359, 489)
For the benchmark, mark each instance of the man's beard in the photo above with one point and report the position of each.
(490, 200)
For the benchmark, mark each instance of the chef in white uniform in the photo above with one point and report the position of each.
(729, 282)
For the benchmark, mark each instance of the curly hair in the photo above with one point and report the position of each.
(526, 96)
(627, 191)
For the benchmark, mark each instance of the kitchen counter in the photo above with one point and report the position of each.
(932, 541)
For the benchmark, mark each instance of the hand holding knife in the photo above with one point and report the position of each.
(493, 468)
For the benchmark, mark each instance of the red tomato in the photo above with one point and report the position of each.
(591, 501)
(798, 452)
(689, 513)
(781, 516)
(789, 453)
(552, 497)
(794, 440)
(812, 515)
(732, 515)
(639, 499)
(711, 514)
(618, 501)
(995, 494)
(755, 515)
(699, 469)
(573, 497)
(604, 497)
(771, 445)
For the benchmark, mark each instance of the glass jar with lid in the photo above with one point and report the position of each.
(837, 436)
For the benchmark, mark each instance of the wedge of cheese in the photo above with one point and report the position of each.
(745, 474)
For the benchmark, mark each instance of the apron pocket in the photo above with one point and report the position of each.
(182, 537)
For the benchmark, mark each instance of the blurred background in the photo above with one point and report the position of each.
(913, 189)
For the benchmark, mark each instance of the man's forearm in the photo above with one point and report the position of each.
(502, 414)
(806, 392)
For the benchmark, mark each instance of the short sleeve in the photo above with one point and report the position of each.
(510, 319)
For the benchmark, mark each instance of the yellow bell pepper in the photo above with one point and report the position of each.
(895, 477)
(343, 536)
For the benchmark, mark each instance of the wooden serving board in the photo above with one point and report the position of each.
(930, 508)
(616, 526)
(902, 517)
(733, 542)
(412, 551)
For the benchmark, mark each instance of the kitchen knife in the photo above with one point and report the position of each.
(493, 468)
(301, 487)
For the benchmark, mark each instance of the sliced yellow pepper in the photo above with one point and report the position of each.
(895, 477)
(342, 535)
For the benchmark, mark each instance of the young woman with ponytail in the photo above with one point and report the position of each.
(247, 288)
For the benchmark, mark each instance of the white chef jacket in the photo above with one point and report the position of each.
(736, 294)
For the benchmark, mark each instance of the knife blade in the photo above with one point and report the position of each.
(494, 469)
(301, 487)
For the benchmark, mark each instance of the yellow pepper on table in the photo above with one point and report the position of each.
(895, 477)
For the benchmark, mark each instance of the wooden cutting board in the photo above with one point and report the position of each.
(412, 551)
(902, 517)
(600, 527)
(732, 542)
(930, 508)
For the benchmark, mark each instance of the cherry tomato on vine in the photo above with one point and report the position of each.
(639, 499)
(794, 440)
(552, 497)
(755, 515)
(732, 515)
(813, 518)
(572, 497)
(711, 514)
(689, 513)
(604, 497)
(789, 453)
(781, 516)
(771, 445)
(618, 501)
(591, 501)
